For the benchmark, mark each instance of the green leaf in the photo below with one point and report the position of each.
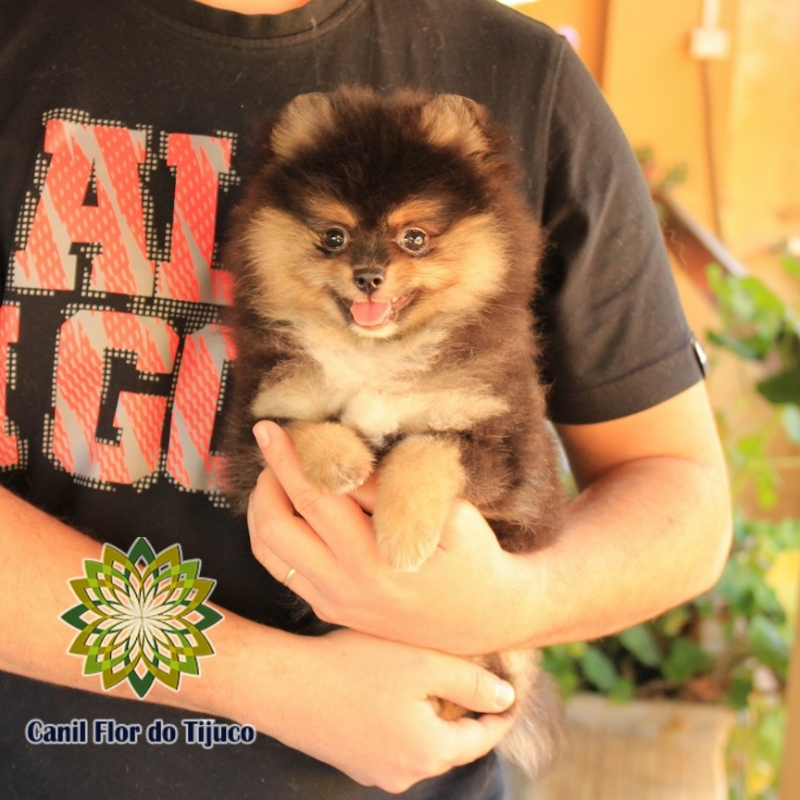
(563, 667)
(766, 491)
(735, 585)
(739, 692)
(791, 265)
(783, 577)
(599, 669)
(575, 649)
(568, 683)
(623, 691)
(769, 644)
(645, 155)
(783, 387)
(785, 534)
(675, 176)
(556, 659)
(640, 641)
(686, 659)
(743, 584)
(716, 280)
(790, 419)
(770, 735)
(751, 447)
(673, 621)
(759, 299)
(750, 349)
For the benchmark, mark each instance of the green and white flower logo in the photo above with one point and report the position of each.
(141, 617)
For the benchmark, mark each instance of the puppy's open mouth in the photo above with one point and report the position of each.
(373, 314)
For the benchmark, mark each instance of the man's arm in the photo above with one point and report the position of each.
(650, 529)
(349, 699)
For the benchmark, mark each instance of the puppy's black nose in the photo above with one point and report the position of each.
(368, 279)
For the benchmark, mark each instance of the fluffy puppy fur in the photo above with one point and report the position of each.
(384, 268)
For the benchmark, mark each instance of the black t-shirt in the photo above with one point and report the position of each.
(123, 128)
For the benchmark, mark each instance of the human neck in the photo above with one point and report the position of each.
(256, 6)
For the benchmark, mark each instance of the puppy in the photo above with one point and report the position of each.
(384, 268)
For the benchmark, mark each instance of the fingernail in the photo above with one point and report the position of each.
(503, 694)
(261, 432)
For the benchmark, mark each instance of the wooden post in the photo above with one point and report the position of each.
(790, 772)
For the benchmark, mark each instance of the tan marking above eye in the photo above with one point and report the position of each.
(326, 213)
(430, 215)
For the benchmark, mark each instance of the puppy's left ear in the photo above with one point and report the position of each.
(454, 121)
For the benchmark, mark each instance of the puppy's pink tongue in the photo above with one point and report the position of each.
(369, 313)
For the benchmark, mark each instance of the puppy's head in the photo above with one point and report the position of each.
(376, 215)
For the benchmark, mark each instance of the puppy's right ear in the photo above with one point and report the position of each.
(300, 124)
(454, 121)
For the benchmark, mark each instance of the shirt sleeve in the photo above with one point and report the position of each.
(616, 339)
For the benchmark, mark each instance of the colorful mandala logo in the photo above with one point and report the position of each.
(141, 617)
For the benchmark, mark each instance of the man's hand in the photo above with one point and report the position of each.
(650, 529)
(363, 705)
(339, 572)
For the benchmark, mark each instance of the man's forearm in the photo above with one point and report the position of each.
(38, 556)
(644, 537)
(354, 701)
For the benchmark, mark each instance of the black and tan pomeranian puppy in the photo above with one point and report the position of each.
(384, 268)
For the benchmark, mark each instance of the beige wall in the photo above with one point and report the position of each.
(762, 197)
(639, 53)
(638, 50)
(656, 89)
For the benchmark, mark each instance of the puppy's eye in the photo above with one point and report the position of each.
(335, 239)
(414, 240)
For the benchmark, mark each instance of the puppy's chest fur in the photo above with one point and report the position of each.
(382, 392)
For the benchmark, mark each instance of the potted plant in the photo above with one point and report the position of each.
(716, 665)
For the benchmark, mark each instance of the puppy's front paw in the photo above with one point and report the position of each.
(332, 456)
(408, 532)
(417, 482)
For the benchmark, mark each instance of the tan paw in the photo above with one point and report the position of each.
(417, 482)
(332, 456)
(407, 536)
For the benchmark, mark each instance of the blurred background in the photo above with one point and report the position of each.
(705, 701)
